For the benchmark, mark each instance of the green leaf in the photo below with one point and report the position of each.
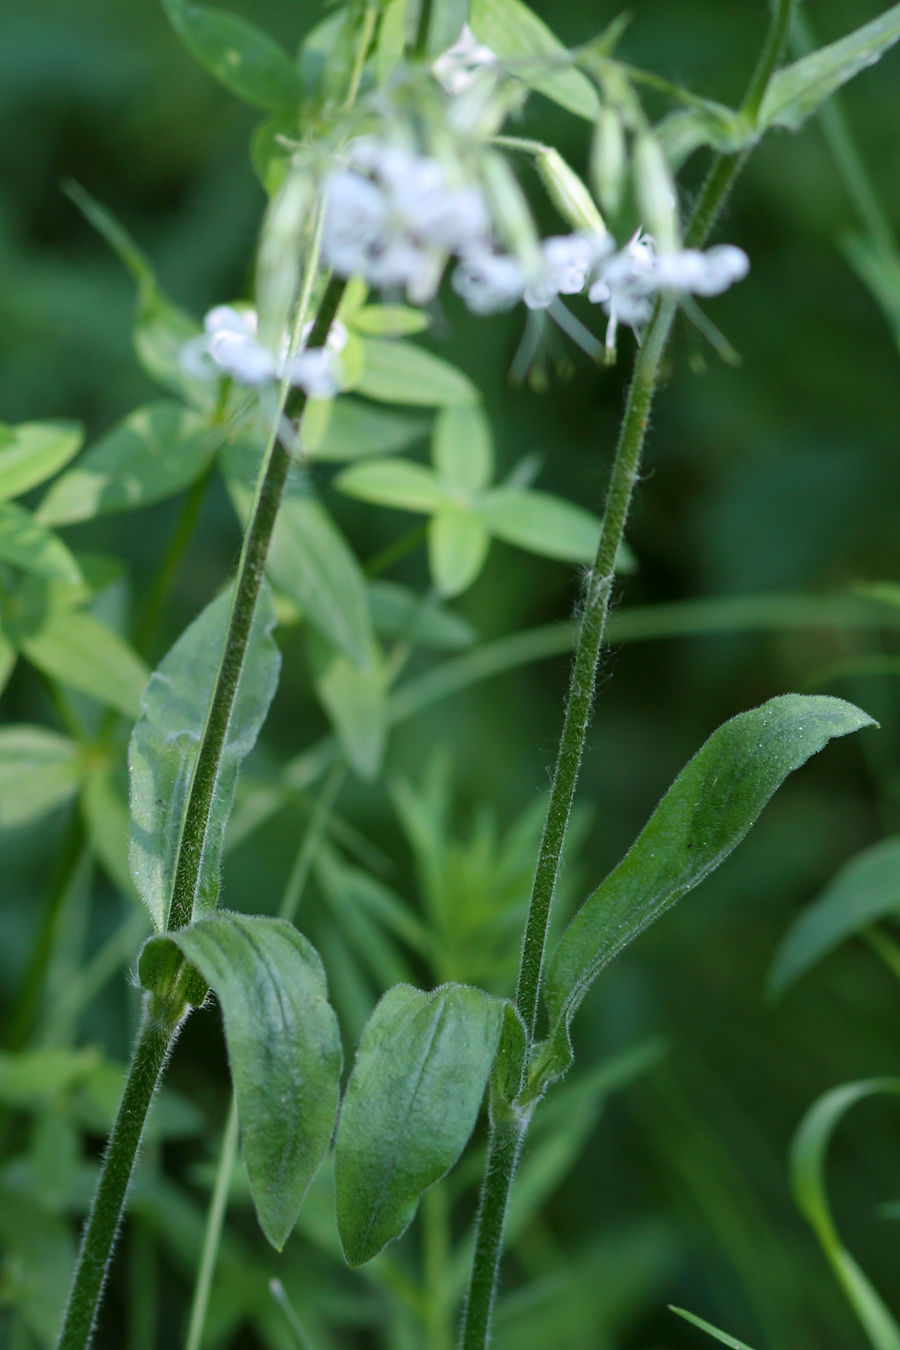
(400, 372)
(356, 703)
(389, 320)
(393, 482)
(721, 1336)
(32, 452)
(462, 448)
(165, 743)
(241, 56)
(39, 1254)
(397, 612)
(154, 453)
(76, 649)
(865, 890)
(458, 545)
(106, 821)
(39, 770)
(541, 523)
(687, 129)
(410, 1106)
(878, 268)
(284, 1050)
(25, 543)
(356, 429)
(808, 1155)
(796, 91)
(534, 54)
(705, 814)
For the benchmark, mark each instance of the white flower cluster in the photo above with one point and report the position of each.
(457, 69)
(230, 346)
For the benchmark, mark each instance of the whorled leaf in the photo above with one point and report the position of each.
(395, 371)
(78, 650)
(516, 34)
(32, 452)
(26, 543)
(39, 769)
(239, 55)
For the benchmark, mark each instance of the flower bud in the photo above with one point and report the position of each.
(278, 264)
(657, 197)
(510, 212)
(568, 193)
(609, 160)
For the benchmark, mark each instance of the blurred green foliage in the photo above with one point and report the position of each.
(781, 473)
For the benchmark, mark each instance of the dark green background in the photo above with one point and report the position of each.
(781, 474)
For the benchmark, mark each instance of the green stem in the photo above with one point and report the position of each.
(420, 47)
(251, 571)
(770, 57)
(503, 1156)
(213, 1235)
(436, 1253)
(155, 1040)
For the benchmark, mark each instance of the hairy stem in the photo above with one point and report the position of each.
(155, 1039)
(503, 1156)
(769, 57)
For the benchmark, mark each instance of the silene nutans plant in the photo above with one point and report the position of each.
(409, 1086)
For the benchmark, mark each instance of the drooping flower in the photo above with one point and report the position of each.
(568, 261)
(457, 69)
(230, 346)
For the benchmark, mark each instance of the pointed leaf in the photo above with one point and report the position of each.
(523, 41)
(721, 1336)
(462, 448)
(410, 1106)
(390, 320)
(705, 814)
(393, 482)
(165, 743)
(154, 453)
(284, 1050)
(39, 770)
(106, 821)
(796, 91)
(25, 543)
(241, 56)
(541, 523)
(400, 372)
(78, 650)
(398, 612)
(356, 429)
(865, 890)
(356, 703)
(32, 452)
(458, 545)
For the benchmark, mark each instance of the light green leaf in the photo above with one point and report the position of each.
(541, 523)
(32, 452)
(400, 372)
(356, 429)
(705, 814)
(878, 268)
(39, 770)
(356, 703)
(31, 1079)
(154, 453)
(462, 449)
(865, 890)
(410, 1106)
(526, 44)
(8, 657)
(25, 543)
(165, 743)
(397, 612)
(808, 1155)
(39, 1247)
(458, 545)
(389, 320)
(687, 129)
(241, 56)
(76, 649)
(721, 1336)
(284, 1050)
(796, 91)
(393, 482)
(106, 821)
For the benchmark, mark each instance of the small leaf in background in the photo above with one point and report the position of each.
(400, 372)
(78, 650)
(398, 612)
(705, 814)
(462, 448)
(284, 1051)
(356, 429)
(389, 321)
(808, 1156)
(866, 889)
(516, 34)
(106, 821)
(32, 452)
(241, 56)
(721, 1336)
(356, 702)
(796, 91)
(39, 769)
(704, 123)
(39, 1254)
(410, 1107)
(164, 745)
(458, 545)
(154, 453)
(393, 482)
(26, 543)
(541, 523)
(878, 268)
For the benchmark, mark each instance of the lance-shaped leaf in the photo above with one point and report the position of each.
(355, 429)
(410, 1106)
(795, 92)
(33, 452)
(865, 890)
(77, 649)
(396, 371)
(704, 815)
(284, 1049)
(26, 543)
(721, 1336)
(166, 742)
(39, 769)
(241, 56)
(534, 53)
(154, 453)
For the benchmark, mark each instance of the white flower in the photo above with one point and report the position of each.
(567, 263)
(489, 282)
(457, 69)
(708, 273)
(231, 347)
